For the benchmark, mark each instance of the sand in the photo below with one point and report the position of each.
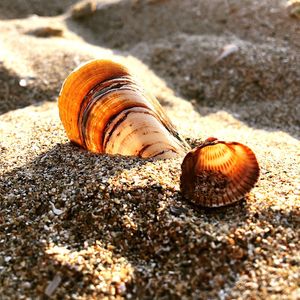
(76, 225)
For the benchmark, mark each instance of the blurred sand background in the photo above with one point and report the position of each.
(75, 225)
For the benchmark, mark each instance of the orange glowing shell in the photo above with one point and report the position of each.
(104, 110)
(218, 173)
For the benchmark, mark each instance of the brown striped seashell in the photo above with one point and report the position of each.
(104, 110)
(218, 173)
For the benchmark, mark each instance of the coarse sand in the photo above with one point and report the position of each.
(76, 225)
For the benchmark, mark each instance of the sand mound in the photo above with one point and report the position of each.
(83, 226)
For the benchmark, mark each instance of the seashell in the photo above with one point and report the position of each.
(104, 110)
(218, 173)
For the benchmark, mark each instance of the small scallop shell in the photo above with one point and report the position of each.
(218, 173)
(104, 110)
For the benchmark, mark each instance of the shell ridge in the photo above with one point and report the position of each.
(96, 94)
(127, 112)
(225, 173)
